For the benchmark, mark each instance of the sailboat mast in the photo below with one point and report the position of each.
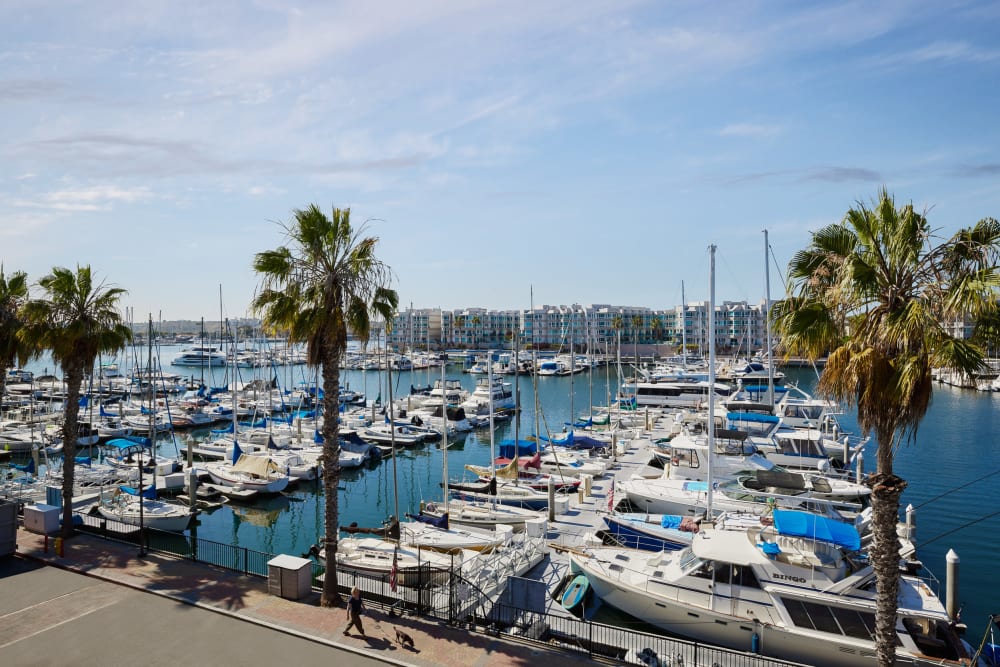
(493, 454)
(444, 438)
(767, 323)
(392, 427)
(711, 377)
(534, 367)
(684, 339)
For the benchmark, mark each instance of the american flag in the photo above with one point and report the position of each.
(393, 572)
(611, 498)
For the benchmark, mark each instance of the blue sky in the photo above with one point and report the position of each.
(591, 149)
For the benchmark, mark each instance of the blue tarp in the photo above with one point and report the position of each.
(564, 439)
(524, 448)
(436, 521)
(670, 521)
(804, 524)
(586, 442)
(149, 492)
(752, 417)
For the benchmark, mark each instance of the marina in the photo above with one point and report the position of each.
(290, 522)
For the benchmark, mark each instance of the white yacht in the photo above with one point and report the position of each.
(799, 590)
(199, 355)
(497, 392)
(672, 394)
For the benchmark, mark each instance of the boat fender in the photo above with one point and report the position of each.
(314, 551)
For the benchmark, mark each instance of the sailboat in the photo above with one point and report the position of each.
(244, 472)
(480, 505)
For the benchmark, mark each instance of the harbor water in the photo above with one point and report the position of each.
(953, 470)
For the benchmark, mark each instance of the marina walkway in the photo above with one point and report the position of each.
(103, 618)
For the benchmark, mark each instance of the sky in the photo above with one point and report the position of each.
(504, 153)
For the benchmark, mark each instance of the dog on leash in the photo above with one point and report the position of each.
(404, 639)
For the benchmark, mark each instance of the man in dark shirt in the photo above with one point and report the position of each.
(354, 611)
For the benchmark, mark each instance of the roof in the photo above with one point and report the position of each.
(727, 546)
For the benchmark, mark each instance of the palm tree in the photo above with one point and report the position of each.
(13, 295)
(657, 325)
(636, 330)
(476, 322)
(459, 323)
(323, 282)
(76, 321)
(877, 292)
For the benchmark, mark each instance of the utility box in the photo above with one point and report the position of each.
(8, 528)
(289, 577)
(41, 519)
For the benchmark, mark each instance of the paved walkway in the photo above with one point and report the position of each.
(246, 599)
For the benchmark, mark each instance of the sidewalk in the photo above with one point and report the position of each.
(246, 598)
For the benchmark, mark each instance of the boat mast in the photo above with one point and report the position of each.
(684, 340)
(392, 425)
(767, 323)
(493, 454)
(572, 370)
(711, 376)
(444, 439)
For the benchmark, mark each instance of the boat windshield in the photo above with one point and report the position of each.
(689, 562)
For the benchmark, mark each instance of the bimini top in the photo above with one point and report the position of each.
(804, 524)
(752, 417)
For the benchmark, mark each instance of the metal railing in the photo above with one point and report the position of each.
(453, 600)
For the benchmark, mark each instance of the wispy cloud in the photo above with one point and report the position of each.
(842, 175)
(30, 90)
(941, 52)
(977, 170)
(97, 198)
(749, 130)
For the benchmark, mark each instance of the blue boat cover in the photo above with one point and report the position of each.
(670, 521)
(149, 492)
(126, 446)
(696, 486)
(762, 388)
(524, 448)
(436, 521)
(586, 442)
(804, 524)
(752, 417)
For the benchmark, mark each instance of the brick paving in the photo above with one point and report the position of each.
(246, 598)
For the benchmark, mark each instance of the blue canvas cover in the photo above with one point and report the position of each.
(752, 417)
(524, 448)
(804, 524)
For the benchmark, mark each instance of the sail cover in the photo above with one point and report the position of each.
(259, 466)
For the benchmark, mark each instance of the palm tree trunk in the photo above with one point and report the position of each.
(331, 470)
(886, 491)
(71, 411)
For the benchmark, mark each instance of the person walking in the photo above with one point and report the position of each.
(354, 611)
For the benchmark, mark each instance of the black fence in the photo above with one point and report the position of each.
(446, 596)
